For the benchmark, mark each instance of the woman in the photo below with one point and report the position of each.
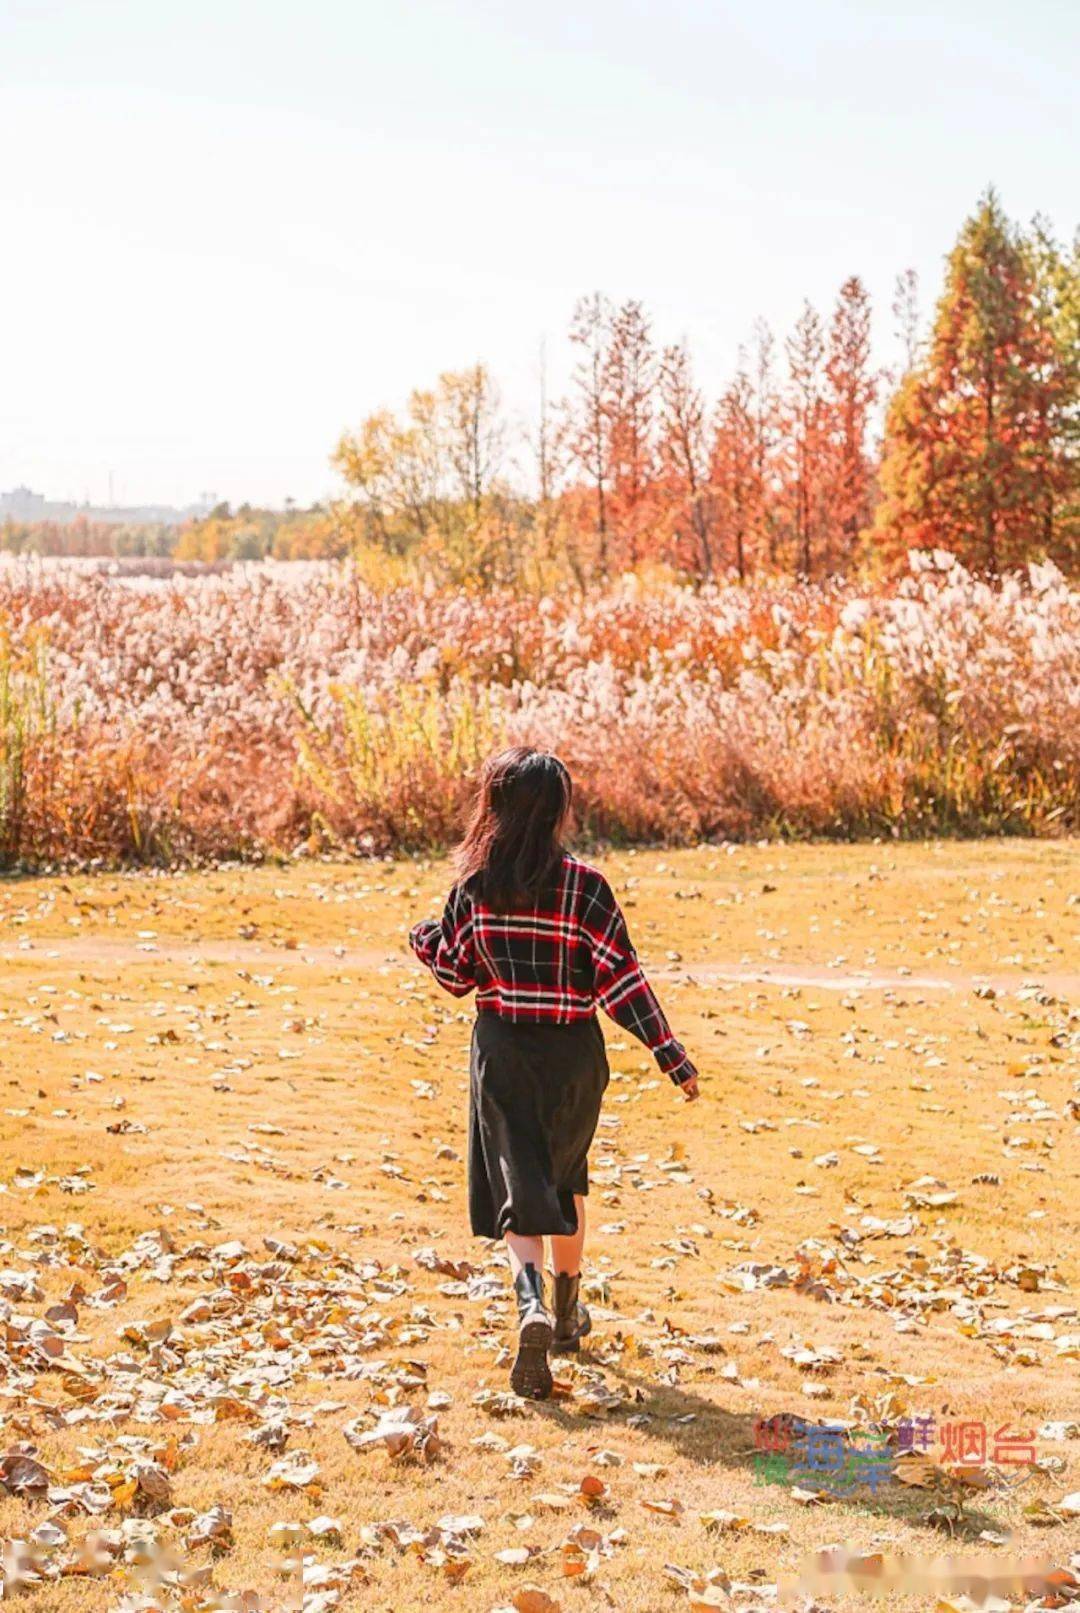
(541, 938)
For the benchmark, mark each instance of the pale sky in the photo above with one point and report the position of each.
(230, 229)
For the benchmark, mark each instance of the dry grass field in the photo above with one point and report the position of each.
(234, 1240)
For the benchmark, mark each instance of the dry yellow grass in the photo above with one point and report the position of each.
(251, 1054)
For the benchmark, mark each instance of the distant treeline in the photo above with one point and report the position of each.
(82, 538)
(222, 535)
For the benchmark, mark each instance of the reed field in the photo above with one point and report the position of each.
(277, 708)
(247, 1337)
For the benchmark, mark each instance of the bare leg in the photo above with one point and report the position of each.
(566, 1252)
(524, 1252)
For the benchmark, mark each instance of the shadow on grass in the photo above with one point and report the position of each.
(698, 1429)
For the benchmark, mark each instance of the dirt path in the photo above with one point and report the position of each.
(847, 980)
(116, 952)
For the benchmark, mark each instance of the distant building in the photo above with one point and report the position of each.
(23, 504)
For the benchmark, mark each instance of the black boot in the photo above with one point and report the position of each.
(530, 1374)
(572, 1319)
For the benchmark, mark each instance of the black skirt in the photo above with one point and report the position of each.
(534, 1101)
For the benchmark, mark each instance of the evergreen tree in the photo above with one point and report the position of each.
(1057, 280)
(974, 456)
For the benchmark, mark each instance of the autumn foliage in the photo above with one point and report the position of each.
(980, 451)
(733, 616)
(261, 710)
(786, 472)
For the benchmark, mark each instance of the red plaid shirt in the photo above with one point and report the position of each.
(553, 962)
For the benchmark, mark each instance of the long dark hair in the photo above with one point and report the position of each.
(513, 843)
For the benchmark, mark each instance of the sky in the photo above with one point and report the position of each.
(229, 230)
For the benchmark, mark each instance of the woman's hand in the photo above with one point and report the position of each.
(689, 1089)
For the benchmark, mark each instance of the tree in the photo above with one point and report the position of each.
(431, 476)
(589, 415)
(974, 457)
(734, 469)
(394, 467)
(475, 433)
(546, 460)
(684, 456)
(908, 318)
(764, 408)
(807, 437)
(1057, 280)
(852, 389)
(630, 377)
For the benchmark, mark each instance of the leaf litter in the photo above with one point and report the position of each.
(126, 1358)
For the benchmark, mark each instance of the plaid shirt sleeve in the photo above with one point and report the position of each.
(446, 947)
(622, 989)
